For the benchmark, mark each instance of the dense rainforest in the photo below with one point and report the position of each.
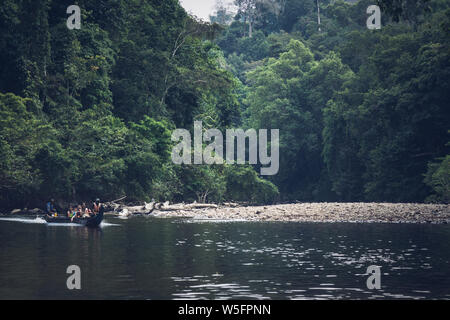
(363, 114)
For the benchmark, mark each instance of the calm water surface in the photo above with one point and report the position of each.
(147, 258)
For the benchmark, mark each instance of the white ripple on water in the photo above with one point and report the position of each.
(64, 225)
(108, 224)
(102, 225)
(38, 221)
(25, 220)
(42, 221)
(220, 291)
(293, 255)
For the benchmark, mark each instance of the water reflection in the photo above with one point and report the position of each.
(145, 258)
(318, 266)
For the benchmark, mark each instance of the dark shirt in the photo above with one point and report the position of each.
(50, 207)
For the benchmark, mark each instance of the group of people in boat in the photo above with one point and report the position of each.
(76, 211)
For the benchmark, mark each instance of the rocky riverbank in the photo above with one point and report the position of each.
(299, 212)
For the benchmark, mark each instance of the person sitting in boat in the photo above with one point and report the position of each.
(70, 212)
(51, 209)
(76, 213)
(80, 212)
(85, 211)
(96, 206)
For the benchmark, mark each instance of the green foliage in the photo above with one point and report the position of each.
(22, 137)
(203, 183)
(289, 93)
(409, 10)
(100, 103)
(363, 114)
(243, 184)
(385, 126)
(438, 178)
(225, 183)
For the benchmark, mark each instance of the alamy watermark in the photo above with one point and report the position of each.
(236, 140)
(74, 280)
(374, 21)
(74, 20)
(374, 280)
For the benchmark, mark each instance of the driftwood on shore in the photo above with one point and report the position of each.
(178, 207)
(149, 208)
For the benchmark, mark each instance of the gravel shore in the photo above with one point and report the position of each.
(322, 212)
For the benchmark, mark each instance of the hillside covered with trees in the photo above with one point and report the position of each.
(363, 114)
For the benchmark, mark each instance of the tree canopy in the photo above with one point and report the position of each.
(363, 114)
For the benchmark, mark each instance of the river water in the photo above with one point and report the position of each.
(148, 258)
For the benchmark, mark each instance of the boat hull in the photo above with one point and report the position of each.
(92, 222)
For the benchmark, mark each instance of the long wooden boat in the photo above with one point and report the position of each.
(92, 222)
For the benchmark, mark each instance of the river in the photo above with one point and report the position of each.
(149, 258)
